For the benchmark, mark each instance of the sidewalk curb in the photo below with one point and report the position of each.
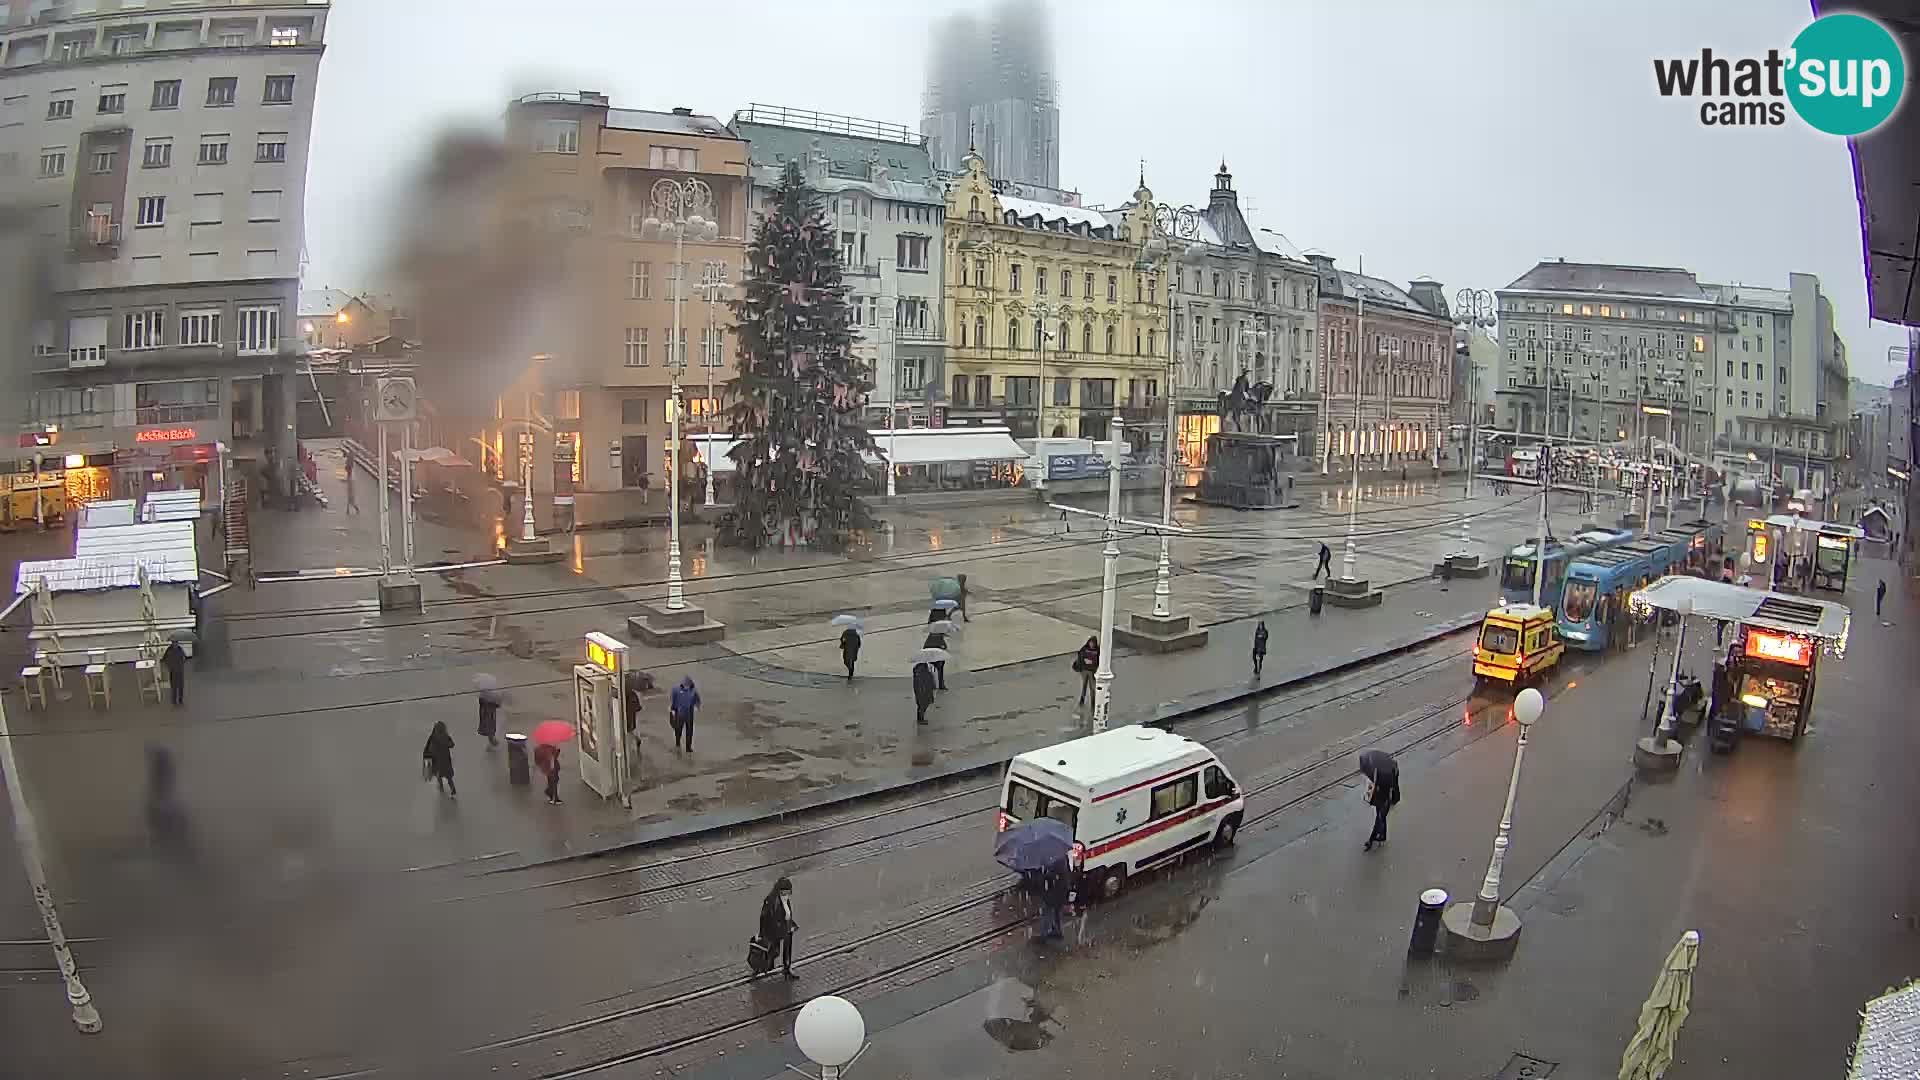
(1165, 714)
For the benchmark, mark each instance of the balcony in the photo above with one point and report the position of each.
(98, 232)
(909, 332)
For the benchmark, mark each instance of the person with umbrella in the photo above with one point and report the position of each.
(1037, 850)
(489, 710)
(680, 705)
(777, 925)
(438, 755)
(922, 691)
(1086, 662)
(175, 661)
(937, 639)
(849, 642)
(1259, 646)
(1383, 791)
(546, 757)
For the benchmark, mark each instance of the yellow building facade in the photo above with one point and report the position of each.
(1052, 324)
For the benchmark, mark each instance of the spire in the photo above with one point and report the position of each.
(1143, 172)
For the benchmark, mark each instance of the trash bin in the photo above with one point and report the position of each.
(519, 770)
(1426, 921)
(1315, 598)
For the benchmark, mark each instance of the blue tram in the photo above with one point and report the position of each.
(1517, 569)
(1599, 582)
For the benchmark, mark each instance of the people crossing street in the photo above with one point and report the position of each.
(1325, 565)
(1259, 646)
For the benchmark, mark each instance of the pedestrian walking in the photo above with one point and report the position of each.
(167, 829)
(962, 609)
(546, 757)
(1326, 562)
(1086, 662)
(489, 725)
(1052, 887)
(353, 492)
(777, 925)
(1879, 597)
(937, 641)
(636, 701)
(1259, 646)
(849, 649)
(438, 758)
(506, 504)
(922, 692)
(1383, 791)
(175, 661)
(681, 704)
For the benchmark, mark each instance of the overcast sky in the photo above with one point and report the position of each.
(1462, 140)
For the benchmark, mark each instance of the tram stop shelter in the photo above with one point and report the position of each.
(1779, 640)
(1818, 554)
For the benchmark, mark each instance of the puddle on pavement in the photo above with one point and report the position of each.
(1016, 1018)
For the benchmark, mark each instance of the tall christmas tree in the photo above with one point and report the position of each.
(798, 399)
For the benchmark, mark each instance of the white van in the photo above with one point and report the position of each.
(1136, 797)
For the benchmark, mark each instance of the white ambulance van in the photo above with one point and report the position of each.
(1136, 797)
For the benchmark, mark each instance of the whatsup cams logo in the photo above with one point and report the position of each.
(1844, 75)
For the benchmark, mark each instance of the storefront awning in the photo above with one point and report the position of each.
(1820, 619)
(906, 446)
(1807, 524)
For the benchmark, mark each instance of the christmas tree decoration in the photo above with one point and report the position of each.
(800, 446)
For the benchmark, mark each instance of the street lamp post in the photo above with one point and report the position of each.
(679, 207)
(1109, 570)
(26, 834)
(1489, 928)
(831, 1033)
(1474, 309)
(1353, 498)
(713, 279)
(1171, 226)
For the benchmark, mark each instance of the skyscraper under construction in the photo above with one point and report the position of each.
(990, 86)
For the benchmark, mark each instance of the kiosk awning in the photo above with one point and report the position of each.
(1807, 524)
(946, 446)
(1820, 619)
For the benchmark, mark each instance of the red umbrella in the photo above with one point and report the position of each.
(551, 732)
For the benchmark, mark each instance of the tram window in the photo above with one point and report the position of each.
(1500, 639)
(1579, 601)
(1518, 574)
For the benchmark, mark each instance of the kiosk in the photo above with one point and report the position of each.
(1772, 665)
(599, 716)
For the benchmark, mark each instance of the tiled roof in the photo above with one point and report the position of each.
(1560, 276)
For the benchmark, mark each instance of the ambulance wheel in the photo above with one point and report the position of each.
(1229, 830)
(1110, 882)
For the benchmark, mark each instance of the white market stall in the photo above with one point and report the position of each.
(929, 459)
(125, 592)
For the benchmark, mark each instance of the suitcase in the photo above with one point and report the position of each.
(759, 956)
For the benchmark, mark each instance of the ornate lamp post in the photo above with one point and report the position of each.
(1486, 928)
(1473, 309)
(1171, 225)
(679, 207)
(713, 280)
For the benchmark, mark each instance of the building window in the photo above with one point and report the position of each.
(1086, 337)
(1113, 289)
(278, 91)
(60, 109)
(1066, 285)
(53, 162)
(114, 101)
(1699, 344)
(680, 350)
(102, 162)
(673, 157)
(1039, 281)
(145, 329)
(166, 94)
(1013, 277)
(911, 252)
(633, 411)
(151, 210)
(1110, 338)
(1039, 331)
(200, 328)
(962, 387)
(639, 280)
(1153, 343)
(158, 154)
(221, 91)
(233, 40)
(637, 346)
(557, 137)
(1096, 393)
(979, 331)
(1087, 286)
(213, 149)
(259, 330)
(1013, 333)
(271, 148)
(710, 346)
(283, 36)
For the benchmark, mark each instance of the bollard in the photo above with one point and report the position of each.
(1426, 922)
(519, 773)
(1315, 599)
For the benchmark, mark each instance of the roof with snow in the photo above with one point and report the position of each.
(1025, 210)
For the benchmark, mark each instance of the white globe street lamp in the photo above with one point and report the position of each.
(832, 1033)
(1489, 929)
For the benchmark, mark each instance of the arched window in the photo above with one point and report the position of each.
(1039, 332)
(975, 208)
(1110, 336)
(979, 331)
(1013, 333)
(963, 334)
(1065, 340)
(1153, 346)
(1086, 337)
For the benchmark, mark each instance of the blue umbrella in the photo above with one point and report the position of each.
(1033, 845)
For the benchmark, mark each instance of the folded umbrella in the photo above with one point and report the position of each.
(1033, 845)
(1650, 1053)
(552, 732)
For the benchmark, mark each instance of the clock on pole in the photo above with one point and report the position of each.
(395, 400)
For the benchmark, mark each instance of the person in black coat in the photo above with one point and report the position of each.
(1383, 791)
(489, 726)
(1086, 662)
(438, 755)
(937, 641)
(175, 661)
(849, 649)
(1055, 884)
(1259, 646)
(777, 925)
(922, 692)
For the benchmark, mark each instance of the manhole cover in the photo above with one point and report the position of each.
(1524, 1067)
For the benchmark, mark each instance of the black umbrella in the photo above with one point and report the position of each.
(1379, 766)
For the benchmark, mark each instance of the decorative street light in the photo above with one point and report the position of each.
(832, 1033)
(1171, 225)
(679, 207)
(1492, 928)
(1359, 350)
(713, 279)
(1473, 309)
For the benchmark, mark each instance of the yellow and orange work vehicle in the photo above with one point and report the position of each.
(1517, 645)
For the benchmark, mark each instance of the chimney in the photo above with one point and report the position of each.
(682, 110)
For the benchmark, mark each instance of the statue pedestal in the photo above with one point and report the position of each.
(1247, 471)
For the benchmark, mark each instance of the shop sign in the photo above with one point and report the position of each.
(1785, 648)
(1834, 542)
(1076, 466)
(166, 435)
